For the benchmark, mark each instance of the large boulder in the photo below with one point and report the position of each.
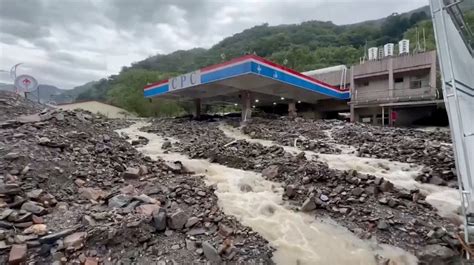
(159, 220)
(119, 201)
(92, 193)
(131, 173)
(436, 255)
(177, 220)
(210, 252)
(308, 205)
(33, 208)
(271, 172)
(17, 255)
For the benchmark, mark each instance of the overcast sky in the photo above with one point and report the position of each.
(70, 42)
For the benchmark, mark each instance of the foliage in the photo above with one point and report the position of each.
(469, 18)
(97, 91)
(69, 96)
(127, 92)
(418, 29)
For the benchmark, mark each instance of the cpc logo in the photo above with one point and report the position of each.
(186, 80)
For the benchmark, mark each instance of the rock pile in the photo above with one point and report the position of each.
(370, 207)
(13, 105)
(429, 148)
(74, 191)
(307, 135)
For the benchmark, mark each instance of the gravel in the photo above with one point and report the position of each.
(99, 199)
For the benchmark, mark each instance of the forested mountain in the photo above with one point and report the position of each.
(305, 46)
(69, 96)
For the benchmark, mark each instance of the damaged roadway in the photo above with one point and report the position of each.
(72, 191)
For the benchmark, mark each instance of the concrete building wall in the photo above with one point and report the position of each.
(368, 115)
(408, 62)
(414, 84)
(370, 89)
(333, 78)
(399, 64)
(371, 68)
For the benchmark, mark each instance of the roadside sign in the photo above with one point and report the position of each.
(26, 83)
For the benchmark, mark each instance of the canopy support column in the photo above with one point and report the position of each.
(353, 116)
(292, 109)
(197, 106)
(246, 105)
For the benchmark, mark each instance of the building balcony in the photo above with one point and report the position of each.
(395, 95)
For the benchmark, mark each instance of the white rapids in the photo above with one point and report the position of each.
(446, 200)
(298, 238)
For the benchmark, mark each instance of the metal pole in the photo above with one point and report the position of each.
(462, 187)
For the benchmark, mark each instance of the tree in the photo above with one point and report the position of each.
(127, 92)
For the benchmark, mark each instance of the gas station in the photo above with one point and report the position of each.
(249, 81)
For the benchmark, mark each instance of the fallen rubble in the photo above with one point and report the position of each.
(307, 135)
(74, 191)
(429, 148)
(370, 207)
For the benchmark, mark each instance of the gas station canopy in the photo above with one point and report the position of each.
(268, 82)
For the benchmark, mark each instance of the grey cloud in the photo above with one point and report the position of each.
(77, 60)
(64, 77)
(25, 10)
(132, 14)
(7, 38)
(45, 44)
(23, 30)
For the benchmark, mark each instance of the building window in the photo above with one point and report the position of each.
(415, 84)
(398, 80)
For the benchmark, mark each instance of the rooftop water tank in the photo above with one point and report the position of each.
(380, 56)
(404, 47)
(388, 49)
(373, 53)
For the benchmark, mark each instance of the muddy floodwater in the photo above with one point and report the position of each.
(297, 237)
(446, 200)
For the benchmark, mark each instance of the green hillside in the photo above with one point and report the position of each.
(305, 46)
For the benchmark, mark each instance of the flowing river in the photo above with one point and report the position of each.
(446, 200)
(298, 238)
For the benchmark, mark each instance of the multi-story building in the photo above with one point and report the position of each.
(386, 89)
(395, 90)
